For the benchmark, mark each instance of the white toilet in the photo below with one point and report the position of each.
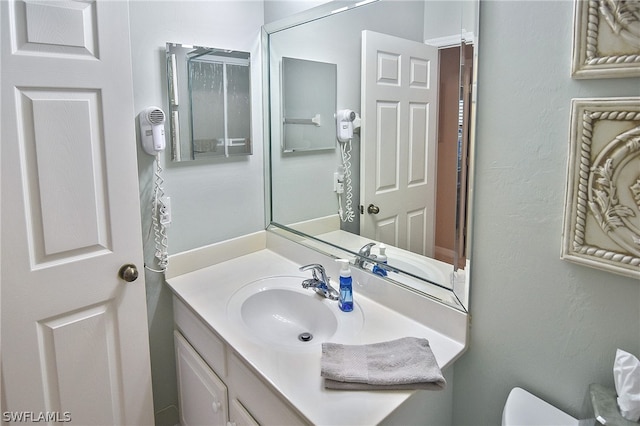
(525, 409)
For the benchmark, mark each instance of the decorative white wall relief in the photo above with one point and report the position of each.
(606, 39)
(602, 207)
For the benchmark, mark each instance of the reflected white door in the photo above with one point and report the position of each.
(398, 134)
(74, 335)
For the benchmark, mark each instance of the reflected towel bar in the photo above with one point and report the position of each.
(315, 120)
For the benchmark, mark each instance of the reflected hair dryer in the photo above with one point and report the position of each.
(344, 119)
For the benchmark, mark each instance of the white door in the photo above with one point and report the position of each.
(398, 134)
(74, 335)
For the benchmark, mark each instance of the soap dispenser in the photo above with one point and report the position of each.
(382, 258)
(345, 302)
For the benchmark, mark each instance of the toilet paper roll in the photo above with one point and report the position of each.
(626, 376)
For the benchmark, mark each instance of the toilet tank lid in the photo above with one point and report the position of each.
(524, 408)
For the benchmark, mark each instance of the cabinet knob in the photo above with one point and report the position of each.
(216, 406)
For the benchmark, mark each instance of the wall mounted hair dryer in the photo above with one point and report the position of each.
(152, 130)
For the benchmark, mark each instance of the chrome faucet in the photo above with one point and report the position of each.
(363, 254)
(320, 282)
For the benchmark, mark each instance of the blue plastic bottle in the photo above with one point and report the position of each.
(382, 258)
(345, 302)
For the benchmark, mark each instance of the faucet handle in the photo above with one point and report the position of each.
(311, 266)
(366, 249)
(320, 282)
(316, 269)
(364, 253)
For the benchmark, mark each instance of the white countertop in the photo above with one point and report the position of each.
(296, 373)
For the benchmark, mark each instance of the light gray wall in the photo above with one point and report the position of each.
(212, 200)
(217, 199)
(278, 9)
(448, 18)
(538, 322)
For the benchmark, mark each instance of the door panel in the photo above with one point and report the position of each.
(74, 334)
(398, 134)
(387, 145)
(416, 229)
(387, 230)
(418, 150)
(72, 378)
(66, 211)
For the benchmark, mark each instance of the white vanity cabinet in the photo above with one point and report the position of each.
(215, 386)
(269, 382)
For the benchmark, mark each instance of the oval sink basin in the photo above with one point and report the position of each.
(423, 269)
(278, 311)
(283, 315)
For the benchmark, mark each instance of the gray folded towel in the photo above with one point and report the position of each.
(406, 363)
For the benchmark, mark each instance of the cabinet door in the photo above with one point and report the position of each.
(202, 395)
(262, 402)
(239, 415)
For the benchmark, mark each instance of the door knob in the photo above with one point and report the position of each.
(372, 209)
(128, 272)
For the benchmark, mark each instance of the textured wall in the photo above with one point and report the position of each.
(541, 323)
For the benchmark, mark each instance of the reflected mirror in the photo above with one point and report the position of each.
(210, 102)
(308, 105)
(404, 112)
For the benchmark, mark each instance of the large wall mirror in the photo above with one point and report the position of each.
(399, 174)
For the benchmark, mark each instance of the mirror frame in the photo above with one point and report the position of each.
(456, 296)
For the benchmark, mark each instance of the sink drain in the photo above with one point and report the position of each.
(305, 337)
